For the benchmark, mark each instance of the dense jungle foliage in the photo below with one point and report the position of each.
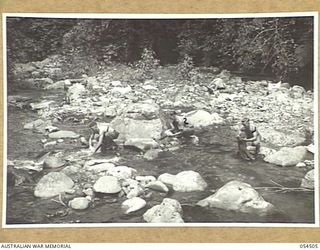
(277, 47)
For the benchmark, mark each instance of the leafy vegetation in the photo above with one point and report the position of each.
(280, 47)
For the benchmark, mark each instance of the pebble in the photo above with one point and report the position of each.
(301, 165)
(79, 203)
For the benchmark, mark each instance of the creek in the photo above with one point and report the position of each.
(215, 159)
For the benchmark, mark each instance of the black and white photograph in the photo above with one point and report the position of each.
(160, 120)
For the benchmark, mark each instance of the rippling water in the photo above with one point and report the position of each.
(215, 159)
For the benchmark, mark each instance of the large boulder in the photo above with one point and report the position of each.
(287, 156)
(281, 139)
(139, 120)
(169, 211)
(201, 118)
(308, 180)
(237, 196)
(53, 184)
(266, 151)
(185, 181)
(107, 185)
(130, 128)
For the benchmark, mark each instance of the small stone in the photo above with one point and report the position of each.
(88, 192)
(158, 186)
(79, 203)
(301, 165)
(51, 129)
(133, 204)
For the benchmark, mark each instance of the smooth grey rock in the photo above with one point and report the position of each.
(53, 184)
(157, 186)
(133, 204)
(237, 196)
(185, 181)
(287, 156)
(79, 203)
(130, 128)
(107, 185)
(168, 179)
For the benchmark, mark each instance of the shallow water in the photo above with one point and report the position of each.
(215, 159)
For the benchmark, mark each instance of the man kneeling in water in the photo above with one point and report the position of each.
(106, 135)
(250, 136)
(242, 147)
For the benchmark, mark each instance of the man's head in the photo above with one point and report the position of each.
(245, 121)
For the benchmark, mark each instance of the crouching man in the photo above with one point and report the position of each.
(104, 135)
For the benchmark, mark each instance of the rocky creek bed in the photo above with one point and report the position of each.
(54, 178)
